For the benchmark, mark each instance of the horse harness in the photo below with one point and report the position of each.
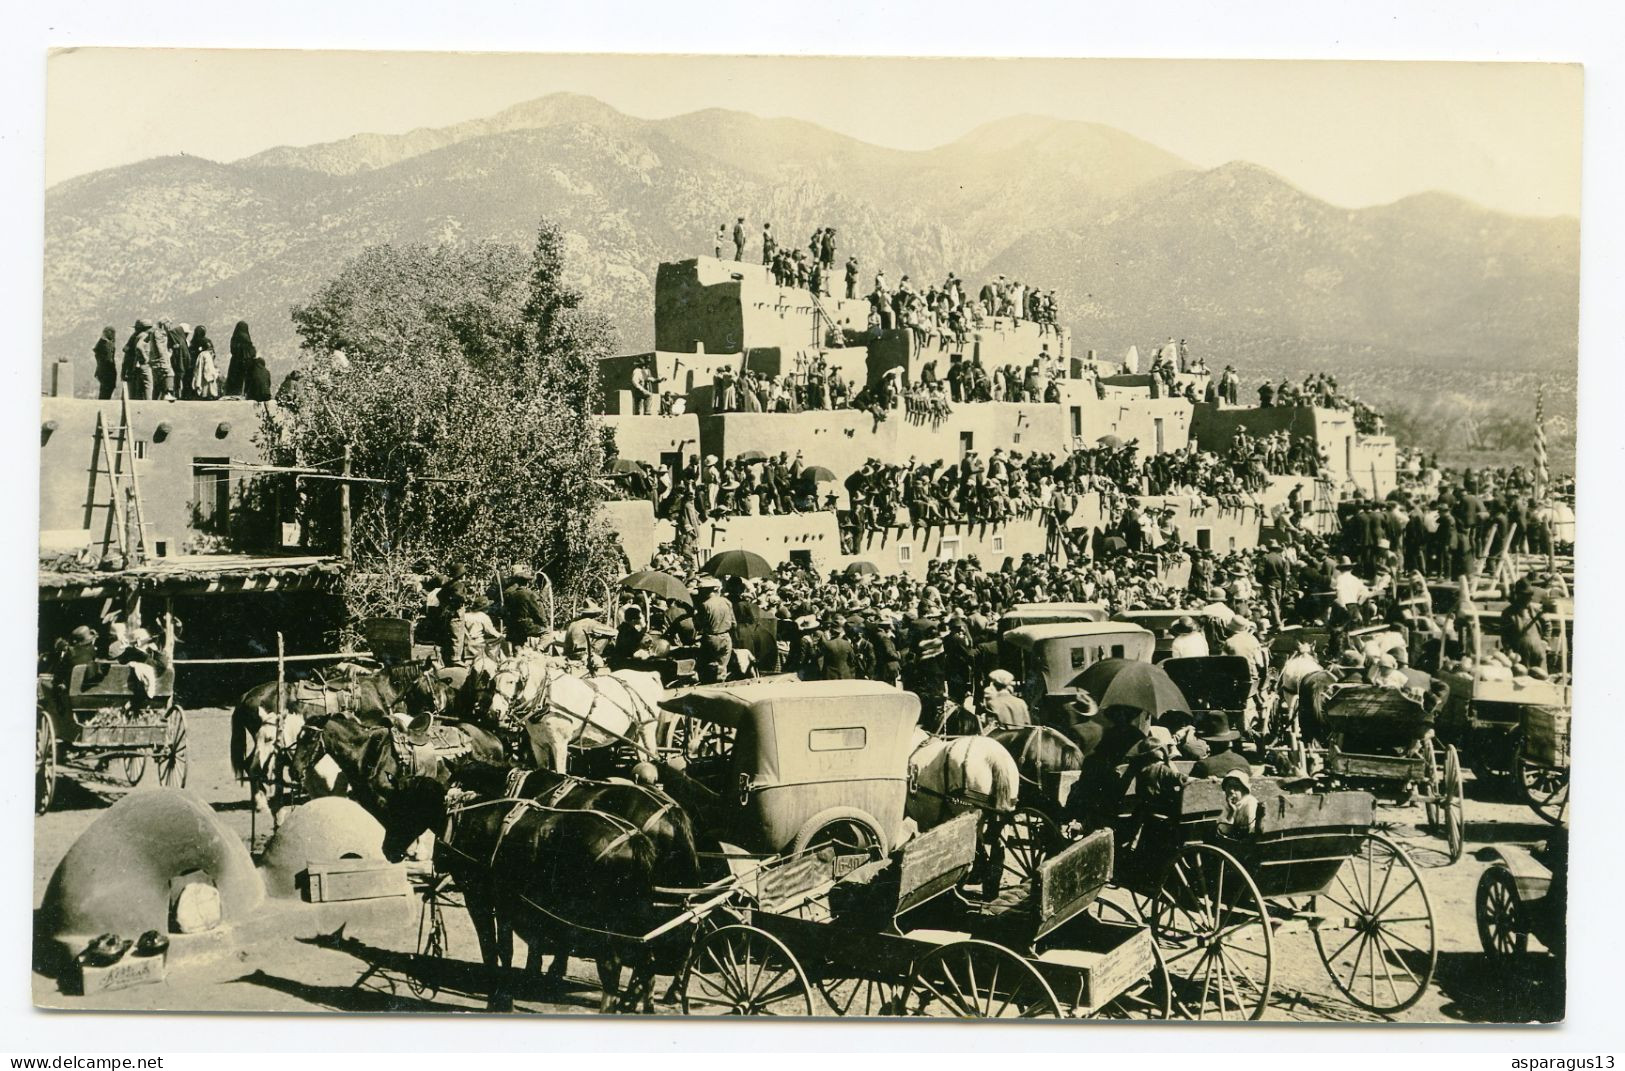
(963, 794)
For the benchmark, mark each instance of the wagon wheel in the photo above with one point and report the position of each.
(135, 768)
(1501, 928)
(1015, 847)
(1151, 997)
(171, 757)
(1545, 788)
(853, 834)
(862, 996)
(740, 970)
(979, 980)
(1378, 895)
(44, 763)
(1453, 804)
(1214, 930)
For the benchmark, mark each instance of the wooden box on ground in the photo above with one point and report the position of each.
(132, 970)
(354, 879)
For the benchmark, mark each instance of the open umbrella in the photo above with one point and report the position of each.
(817, 474)
(1134, 684)
(1110, 440)
(622, 466)
(862, 569)
(658, 583)
(752, 455)
(742, 563)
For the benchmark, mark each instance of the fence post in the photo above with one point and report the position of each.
(344, 507)
(281, 668)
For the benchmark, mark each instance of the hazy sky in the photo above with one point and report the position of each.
(1504, 135)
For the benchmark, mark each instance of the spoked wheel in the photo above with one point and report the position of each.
(1016, 844)
(979, 980)
(172, 758)
(862, 996)
(740, 970)
(135, 768)
(1214, 930)
(1384, 961)
(1501, 929)
(44, 763)
(1453, 805)
(1545, 788)
(849, 831)
(1151, 997)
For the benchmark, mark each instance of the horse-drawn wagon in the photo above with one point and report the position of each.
(883, 940)
(1216, 903)
(109, 713)
(1524, 892)
(1381, 739)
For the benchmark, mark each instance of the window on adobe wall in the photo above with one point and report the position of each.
(1077, 421)
(998, 543)
(211, 493)
(1204, 539)
(141, 449)
(905, 553)
(949, 551)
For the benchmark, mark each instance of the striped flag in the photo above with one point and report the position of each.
(1542, 473)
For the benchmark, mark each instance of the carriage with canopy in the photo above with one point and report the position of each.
(786, 767)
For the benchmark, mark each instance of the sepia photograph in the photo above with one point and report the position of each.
(806, 536)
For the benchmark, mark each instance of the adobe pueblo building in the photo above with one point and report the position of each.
(717, 321)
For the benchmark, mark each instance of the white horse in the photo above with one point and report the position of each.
(951, 775)
(561, 710)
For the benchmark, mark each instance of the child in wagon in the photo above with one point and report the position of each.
(1240, 816)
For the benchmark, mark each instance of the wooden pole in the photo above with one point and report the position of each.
(344, 508)
(281, 675)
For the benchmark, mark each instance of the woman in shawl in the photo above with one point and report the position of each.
(180, 350)
(106, 352)
(242, 356)
(138, 360)
(205, 382)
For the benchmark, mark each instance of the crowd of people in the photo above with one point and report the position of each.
(172, 361)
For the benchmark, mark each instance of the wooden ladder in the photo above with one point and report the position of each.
(114, 457)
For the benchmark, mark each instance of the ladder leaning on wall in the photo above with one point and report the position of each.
(115, 485)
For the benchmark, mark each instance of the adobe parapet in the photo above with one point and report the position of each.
(1353, 458)
(723, 306)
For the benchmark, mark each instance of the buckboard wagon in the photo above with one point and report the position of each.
(1381, 740)
(883, 940)
(105, 715)
(1216, 903)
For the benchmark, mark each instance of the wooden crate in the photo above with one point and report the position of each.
(132, 970)
(331, 880)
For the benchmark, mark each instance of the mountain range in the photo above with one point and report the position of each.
(1137, 243)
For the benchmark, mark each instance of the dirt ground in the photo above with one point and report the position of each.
(356, 958)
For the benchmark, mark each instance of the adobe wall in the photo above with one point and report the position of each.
(645, 438)
(634, 522)
(194, 433)
(1226, 528)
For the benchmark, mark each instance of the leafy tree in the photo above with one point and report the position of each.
(464, 389)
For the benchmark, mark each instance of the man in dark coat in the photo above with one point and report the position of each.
(521, 611)
(835, 651)
(739, 239)
(1214, 730)
(106, 353)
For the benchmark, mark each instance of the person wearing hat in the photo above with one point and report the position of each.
(1523, 626)
(1000, 702)
(925, 674)
(473, 634)
(521, 611)
(585, 635)
(835, 654)
(1240, 815)
(79, 649)
(1188, 642)
(715, 622)
(1213, 727)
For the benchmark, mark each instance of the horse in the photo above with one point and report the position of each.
(264, 743)
(574, 879)
(560, 710)
(951, 775)
(1038, 750)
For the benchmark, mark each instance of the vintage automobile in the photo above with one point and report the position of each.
(1049, 613)
(1160, 623)
(1050, 658)
(790, 766)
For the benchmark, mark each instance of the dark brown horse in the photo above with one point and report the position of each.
(258, 735)
(580, 885)
(1039, 751)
